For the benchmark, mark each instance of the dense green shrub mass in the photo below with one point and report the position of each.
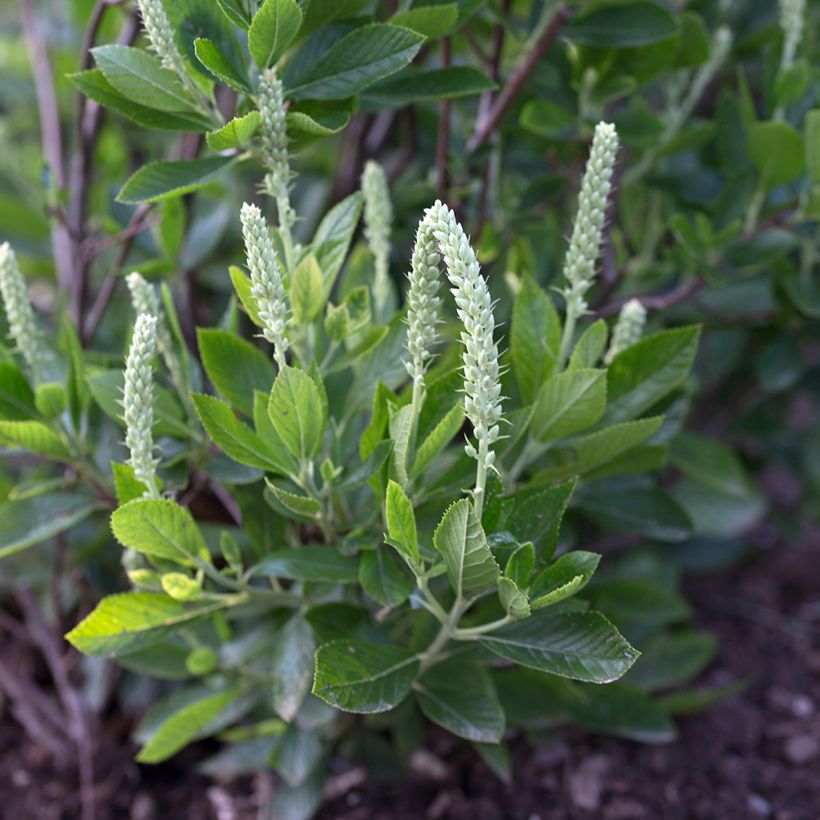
(334, 489)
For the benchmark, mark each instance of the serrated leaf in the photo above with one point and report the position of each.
(234, 134)
(306, 291)
(184, 726)
(601, 447)
(520, 565)
(332, 237)
(401, 523)
(292, 667)
(295, 410)
(308, 564)
(126, 485)
(302, 506)
(567, 403)
(158, 181)
(461, 698)
(537, 516)
(513, 600)
(439, 437)
(401, 428)
(364, 678)
(562, 579)
(272, 30)
(159, 527)
(579, 645)
(460, 540)
(384, 577)
(362, 57)
(35, 437)
(235, 366)
(210, 55)
(316, 122)
(589, 347)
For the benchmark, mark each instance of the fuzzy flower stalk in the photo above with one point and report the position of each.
(588, 230)
(628, 329)
(23, 328)
(138, 403)
(439, 230)
(378, 218)
(271, 102)
(266, 281)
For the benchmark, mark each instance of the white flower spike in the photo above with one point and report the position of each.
(378, 219)
(628, 329)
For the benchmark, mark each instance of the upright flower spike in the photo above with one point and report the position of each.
(628, 329)
(161, 35)
(271, 103)
(588, 230)
(22, 324)
(138, 403)
(792, 14)
(482, 385)
(378, 219)
(266, 281)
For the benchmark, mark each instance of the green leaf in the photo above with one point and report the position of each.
(35, 519)
(812, 142)
(309, 564)
(236, 12)
(401, 428)
(362, 677)
(292, 667)
(461, 698)
(647, 511)
(242, 285)
(601, 447)
(302, 506)
(439, 437)
(78, 395)
(234, 134)
(567, 403)
(235, 439)
(513, 600)
(16, 397)
(306, 291)
(621, 25)
(579, 645)
(35, 437)
(777, 151)
(295, 757)
(520, 565)
(332, 238)
(647, 371)
(50, 399)
(639, 601)
(235, 366)
(401, 523)
(537, 516)
(126, 485)
(129, 621)
(588, 349)
(460, 540)
(534, 338)
(426, 85)
(184, 726)
(354, 476)
(316, 120)
(95, 86)
(672, 660)
(713, 463)
(161, 528)
(295, 410)
(140, 77)
(384, 577)
(562, 579)
(158, 181)
(272, 30)
(359, 59)
(209, 54)
(431, 21)
(180, 587)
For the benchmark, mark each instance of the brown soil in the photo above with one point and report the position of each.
(754, 756)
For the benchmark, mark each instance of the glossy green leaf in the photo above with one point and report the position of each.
(158, 181)
(272, 30)
(563, 578)
(209, 54)
(295, 410)
(384, 577)
(568, 403)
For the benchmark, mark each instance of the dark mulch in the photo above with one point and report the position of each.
(754, 756)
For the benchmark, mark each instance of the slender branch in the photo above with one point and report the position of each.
(486, 125)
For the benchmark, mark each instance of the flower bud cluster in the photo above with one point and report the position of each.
(161, 35)
(378, 218)
(22, 324)
(628, 329)
(266, 280)
(271, 102)
(587, 233)
(138, 402)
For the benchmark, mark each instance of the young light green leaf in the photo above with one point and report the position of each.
(302, 506)
(401, 428)
(234, 134)
(439, 437)
(332, 237)
(460, 540)
(401, 523)
(562, 579)
(583, 646)
(513, 600)
(292, 667)
(306, 291)
(362, 677)
(161, 528)
(295, 410)
(568, 402)
(210, 55)
(590, 347)
(34, 436)
(272, 30)
(461, 698)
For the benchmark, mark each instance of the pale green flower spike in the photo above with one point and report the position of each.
(482, 384)
(791, 21)
(22, 324)
(587, 233)
(271, 103)
(266, 281)
(138, 403)
(161, 35)
(628, 329)
(378, 218)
